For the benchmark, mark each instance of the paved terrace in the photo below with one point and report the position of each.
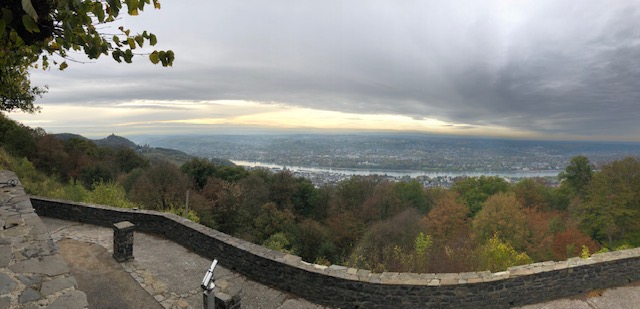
(162, 271)
(169, 274)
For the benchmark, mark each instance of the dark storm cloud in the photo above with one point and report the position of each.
(552, 67)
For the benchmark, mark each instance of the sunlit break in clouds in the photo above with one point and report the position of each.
(529, 69)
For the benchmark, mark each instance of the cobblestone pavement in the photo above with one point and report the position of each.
(170, 273)
(32, 272)
(625, 297)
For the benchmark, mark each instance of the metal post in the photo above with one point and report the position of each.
(208, 300)
(207, 285)
(186, 205)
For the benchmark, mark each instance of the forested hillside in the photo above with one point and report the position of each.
(366, 222)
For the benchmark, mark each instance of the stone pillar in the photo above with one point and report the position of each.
(123, 241)
(226, 301)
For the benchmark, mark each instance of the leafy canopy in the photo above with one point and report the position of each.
(35, 33)
(612, 209)
(577, 175)
(474, 191)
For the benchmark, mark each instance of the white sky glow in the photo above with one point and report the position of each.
(532, 69)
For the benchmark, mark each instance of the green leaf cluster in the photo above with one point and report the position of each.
(474, 191)
(496, 255)
(109, 193)
(577, 176)
(611, 209)
(31, 32)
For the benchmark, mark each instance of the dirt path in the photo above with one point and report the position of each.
(102, 278)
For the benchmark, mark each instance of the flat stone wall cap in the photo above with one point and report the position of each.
(374, 278)
(587, 261)
(520, 271)
(500, 275)
(389, 274)
(223, 297)
(412, 279)
(560, 265)
(363, 272)
(433, 282)
(123, 225)
(573, 261)
(455, 276)
(338, 267)
(484, 274)
(449, 281)
(429, 276)
(321, 267)
(538, 264)
(517, 267)
(469, 275)
(291, 259)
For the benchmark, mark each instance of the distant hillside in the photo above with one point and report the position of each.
(115, 142)
(176, 157)
(66, 136)
(152, 153)
(223, 162)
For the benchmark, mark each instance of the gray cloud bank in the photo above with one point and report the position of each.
(552, 67)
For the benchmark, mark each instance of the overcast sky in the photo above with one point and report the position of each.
(541, 69)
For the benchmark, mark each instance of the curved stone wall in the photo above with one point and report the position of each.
(339, 286)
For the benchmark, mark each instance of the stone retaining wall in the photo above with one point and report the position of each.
(32, 273)
(339, 286)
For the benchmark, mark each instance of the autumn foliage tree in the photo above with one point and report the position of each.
(449, 226)
(378, 247)
(346, 210)
(496, 255)
(50, 154)
(570, 242)
(503, 217)
(532, 193)
(448, 219)
(382, 204)
(163, 186)
(312, 242)
(543, 227)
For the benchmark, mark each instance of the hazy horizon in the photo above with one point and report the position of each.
(288, 132)
(525, 70)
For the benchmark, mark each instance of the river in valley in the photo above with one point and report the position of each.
(396, 173)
